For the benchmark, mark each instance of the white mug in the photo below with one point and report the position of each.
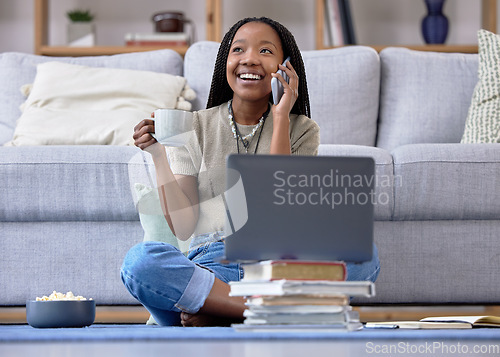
(173, 127)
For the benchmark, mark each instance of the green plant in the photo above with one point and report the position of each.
(80, 15)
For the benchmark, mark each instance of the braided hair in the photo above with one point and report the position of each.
(221, 92)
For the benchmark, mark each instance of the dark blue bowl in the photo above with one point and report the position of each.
(64, 313)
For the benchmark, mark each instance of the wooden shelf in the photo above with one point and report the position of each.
(214, 33)
(430, 48)
(43, 48)
(102, 50)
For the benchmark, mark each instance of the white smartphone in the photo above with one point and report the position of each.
(277, 86)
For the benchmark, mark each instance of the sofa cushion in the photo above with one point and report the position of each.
(447, 181)
(84, 257)
(425, 96)
(69, 183)
(199, 62)
(384, 178)
(343, 89)
(483, 121)
(18, 69)
(437, 263)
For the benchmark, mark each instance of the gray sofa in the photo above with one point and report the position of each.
(68, 215)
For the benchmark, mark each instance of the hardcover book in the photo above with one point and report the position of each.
(292, 287)
(291, 328)
(343, 315)
(294, 270)
(294, 319)
(298, 309)
(292, 300)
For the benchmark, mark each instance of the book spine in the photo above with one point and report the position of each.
(343, 19)
(348, 23)
(334, 23)
(312, 300)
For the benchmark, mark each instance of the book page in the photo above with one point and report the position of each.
(495, 320)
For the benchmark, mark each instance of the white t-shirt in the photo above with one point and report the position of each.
(205, 156)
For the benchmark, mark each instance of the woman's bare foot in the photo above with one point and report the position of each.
(203, 320)
(219, 308)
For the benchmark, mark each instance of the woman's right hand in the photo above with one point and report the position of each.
(142, 135)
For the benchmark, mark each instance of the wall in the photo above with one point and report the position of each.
(376, 21)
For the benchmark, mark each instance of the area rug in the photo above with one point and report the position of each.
(97, 332)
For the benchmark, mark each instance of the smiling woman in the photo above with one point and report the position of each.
(277, 40)
(194, 290)
(250, 65)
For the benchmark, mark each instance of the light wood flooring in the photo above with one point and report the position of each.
(138, 314)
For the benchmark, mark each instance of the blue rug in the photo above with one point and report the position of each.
(26, 333)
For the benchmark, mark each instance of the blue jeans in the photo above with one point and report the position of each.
(167, 282)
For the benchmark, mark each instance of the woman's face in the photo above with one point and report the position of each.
(255, 53)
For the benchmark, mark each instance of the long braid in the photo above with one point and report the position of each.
(221, 92)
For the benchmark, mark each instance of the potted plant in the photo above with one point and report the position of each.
(81, 29)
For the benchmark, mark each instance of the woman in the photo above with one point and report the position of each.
(239, 118)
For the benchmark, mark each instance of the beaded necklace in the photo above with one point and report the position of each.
(247, 139)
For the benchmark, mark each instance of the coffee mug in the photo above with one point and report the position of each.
(173, 127)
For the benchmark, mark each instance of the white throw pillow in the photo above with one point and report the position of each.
(78, 105)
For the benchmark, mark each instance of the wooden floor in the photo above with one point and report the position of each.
(137, 314)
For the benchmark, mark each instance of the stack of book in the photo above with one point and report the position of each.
(298, 295)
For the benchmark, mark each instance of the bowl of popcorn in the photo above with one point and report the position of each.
(60, 310)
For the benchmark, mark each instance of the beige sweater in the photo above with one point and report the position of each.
(205, 156)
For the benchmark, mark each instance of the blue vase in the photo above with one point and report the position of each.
(435, 23)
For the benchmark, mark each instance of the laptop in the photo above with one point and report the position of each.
(299, 207)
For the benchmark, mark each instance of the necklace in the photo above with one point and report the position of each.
(247, 139)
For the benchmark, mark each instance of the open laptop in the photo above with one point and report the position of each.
(299, 207)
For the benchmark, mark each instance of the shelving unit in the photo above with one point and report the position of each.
(213, 23)
(488, 21)
(213, 10)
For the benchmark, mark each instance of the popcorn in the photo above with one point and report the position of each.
(56, 296)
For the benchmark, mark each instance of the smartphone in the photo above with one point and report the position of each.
(277, 86)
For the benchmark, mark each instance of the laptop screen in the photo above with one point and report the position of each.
(299, 207)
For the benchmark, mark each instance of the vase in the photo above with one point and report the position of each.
(435, 23)
(81, 34)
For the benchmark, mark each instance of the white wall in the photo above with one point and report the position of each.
(376, 21)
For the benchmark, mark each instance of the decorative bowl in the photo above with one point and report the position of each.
(63, 313)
